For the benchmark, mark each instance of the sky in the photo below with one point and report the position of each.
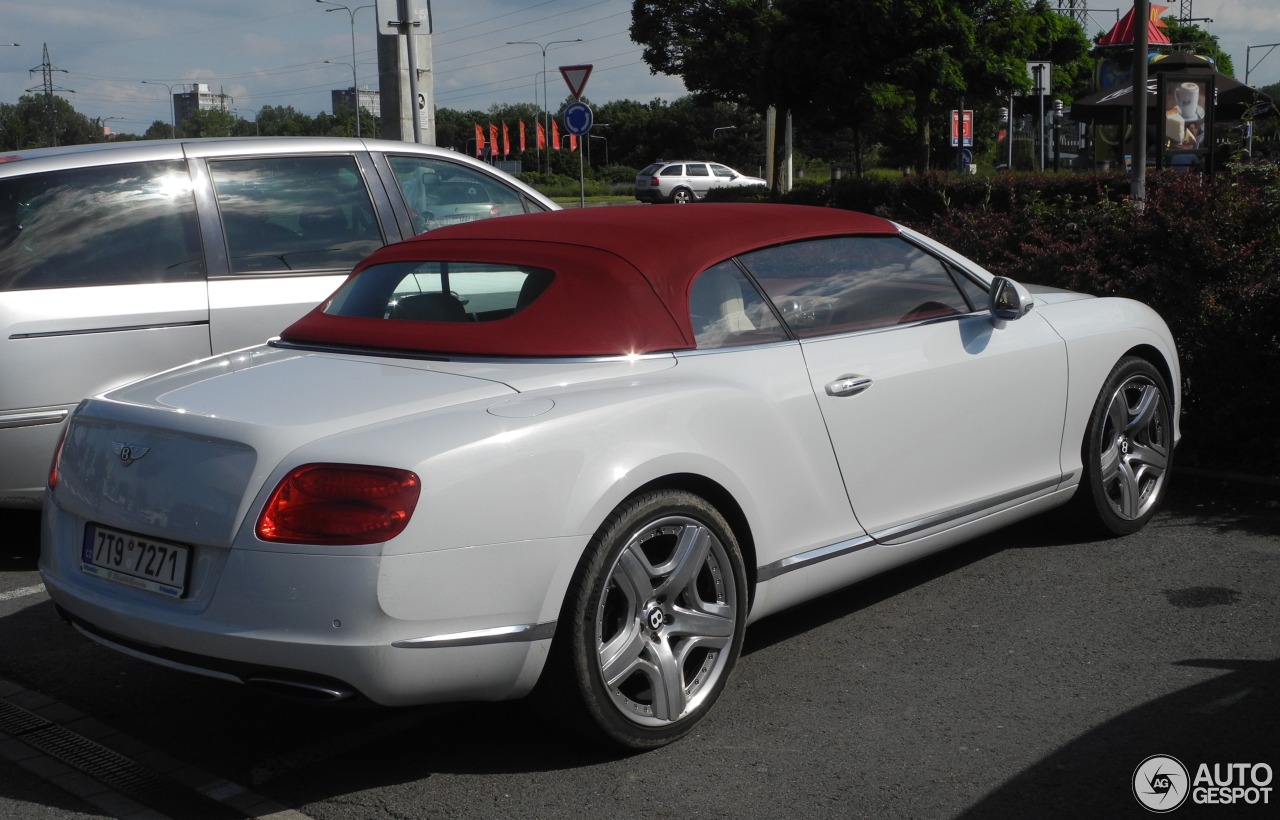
(113, 58)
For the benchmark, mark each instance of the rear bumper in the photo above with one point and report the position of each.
(458, 625)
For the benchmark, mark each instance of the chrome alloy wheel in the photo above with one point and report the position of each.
(667, 620)
(1135, 447)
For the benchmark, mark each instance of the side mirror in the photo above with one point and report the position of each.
(1008, 301)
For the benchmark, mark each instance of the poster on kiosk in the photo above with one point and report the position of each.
(1186, 119)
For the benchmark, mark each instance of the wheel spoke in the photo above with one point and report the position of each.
(1110, 462)
(712, 621)
(1149, 458)
(631, 575)
(668, 684)
(1130, 491)
(1146, 410)
(686, 562)
(623, 655)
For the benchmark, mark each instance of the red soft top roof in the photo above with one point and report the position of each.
(622, 276)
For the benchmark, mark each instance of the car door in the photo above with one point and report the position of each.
(102, 281)
(699, 177)
(934, 413)
(290, 228)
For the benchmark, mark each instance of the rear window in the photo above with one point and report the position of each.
(109, 225)
(672, 171)
(439, 291)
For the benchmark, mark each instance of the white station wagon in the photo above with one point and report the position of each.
(118, 260)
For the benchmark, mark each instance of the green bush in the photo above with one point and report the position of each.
(1205, 253)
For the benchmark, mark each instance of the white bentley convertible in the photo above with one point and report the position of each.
(575, 454)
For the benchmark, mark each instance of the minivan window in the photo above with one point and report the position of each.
(107, 225)
(444, 193)
(294, 213)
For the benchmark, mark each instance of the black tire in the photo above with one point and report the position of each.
(1127, 450)
(652, 624)
(681, 196)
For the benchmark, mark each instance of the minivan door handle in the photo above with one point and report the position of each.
(848, 386)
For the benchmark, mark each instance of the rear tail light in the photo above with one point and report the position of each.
(340, 504)
(653, 182)
(57, 458)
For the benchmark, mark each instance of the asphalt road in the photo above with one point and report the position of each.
(1027, 674)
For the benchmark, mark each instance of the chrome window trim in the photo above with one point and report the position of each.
(115, 329)
(33, 418)
(391, 353)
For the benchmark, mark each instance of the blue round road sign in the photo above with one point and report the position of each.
(578, 118)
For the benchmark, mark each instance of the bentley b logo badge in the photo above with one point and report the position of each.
(129, 453)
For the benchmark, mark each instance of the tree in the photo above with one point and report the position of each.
(1196, 40)
(38, 121)
(209, 122)
(860, 66)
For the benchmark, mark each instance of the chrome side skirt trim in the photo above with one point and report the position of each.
(815, 556)
(912, 527)
(33, 419)
(483, 637)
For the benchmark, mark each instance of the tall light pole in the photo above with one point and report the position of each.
(546, 104)
(173, 110)
(355, 83)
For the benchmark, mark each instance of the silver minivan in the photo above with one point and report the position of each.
(118, 260)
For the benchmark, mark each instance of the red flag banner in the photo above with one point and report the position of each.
(542, 136)
(573, 142)
(479, 140)
(493, 138)
(555, 134)
(522, 148)
(506, 140)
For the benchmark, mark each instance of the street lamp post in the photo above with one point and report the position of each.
(355, 82)
(546, 104)
(606, 147)
(173, 110)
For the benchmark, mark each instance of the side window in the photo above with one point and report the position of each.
(108, 225)
(294, 213)
(438, 192)
(722, 172)
(672, 171)
(854, 283)
(727, 310)
(697, 169)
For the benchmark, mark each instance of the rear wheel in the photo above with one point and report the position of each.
(682, 196)
(1128, 450)
(653, 623)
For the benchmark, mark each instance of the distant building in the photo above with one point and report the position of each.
(199, 98)
(345, 98)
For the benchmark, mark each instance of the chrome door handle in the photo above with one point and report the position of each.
(848, 386)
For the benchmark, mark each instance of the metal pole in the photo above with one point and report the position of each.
(173, 109)
(546, 103)
(1138, 177)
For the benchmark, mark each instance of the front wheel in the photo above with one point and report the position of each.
(1128, 450)
(653, 623)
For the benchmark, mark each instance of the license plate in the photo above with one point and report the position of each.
(136, 560)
